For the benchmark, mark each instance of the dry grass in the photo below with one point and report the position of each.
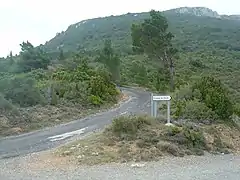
(222, 138)
(150, 141)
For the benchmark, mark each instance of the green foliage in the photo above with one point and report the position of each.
(5, 105)
(96, 100)
(152, 38)
(32, 58)
(110, 60)
(237, 109)
(85, 84)
(215, 96)
(197, 64)
(207, 45)
(206, 99)
(21, 90)
(191, 137)
(194, 137)
(194, 109)
(54, 97)
(127, 127)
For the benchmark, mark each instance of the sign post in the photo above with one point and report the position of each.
(154, 100)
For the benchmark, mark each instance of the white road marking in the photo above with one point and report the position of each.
(66, 135)
(123, 113)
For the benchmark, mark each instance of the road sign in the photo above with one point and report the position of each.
(154, 107)
(161, 98)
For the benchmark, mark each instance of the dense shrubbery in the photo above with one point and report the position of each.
(31, 78)
(79, 85)
(207, 99)
(84, 84)
(5, 105)
(215, 96)
(237, 109)
(21, 90)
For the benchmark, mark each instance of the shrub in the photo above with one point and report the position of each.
(21, 90)
(215, 96)
(196, 110)
(96, 100)
(237, 109)
(125, 126)
(5, 105)
(169, 148)
(54, 97)
(85, 84)
(187, 136)
(195, 138)
(184, 93)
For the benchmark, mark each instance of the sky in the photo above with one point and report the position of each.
(40, 20)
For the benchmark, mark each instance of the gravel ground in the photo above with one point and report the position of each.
(207, 167)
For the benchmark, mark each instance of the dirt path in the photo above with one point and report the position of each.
(207, 167)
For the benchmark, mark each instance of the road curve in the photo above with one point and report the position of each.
(55, 136)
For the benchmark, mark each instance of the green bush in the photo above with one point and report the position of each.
(184, 93)
(196, 110)
(237, 109)
(195, 138)
(85, 85)
(5, 105)
(187, 136)
(215, 96)
(96, 100)
(54, 97)
(21, 90)
(125, 127)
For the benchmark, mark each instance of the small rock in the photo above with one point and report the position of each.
(95, 153)
(86, 146)
(137, 165)
(72, 148)
(80, 156)
(169, 124)
(79, 145)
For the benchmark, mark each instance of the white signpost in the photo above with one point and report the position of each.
(154, 100)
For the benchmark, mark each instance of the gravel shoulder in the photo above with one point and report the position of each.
(208, 167)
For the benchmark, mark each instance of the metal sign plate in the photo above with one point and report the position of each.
(161, 98)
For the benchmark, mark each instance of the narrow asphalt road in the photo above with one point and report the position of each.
(55, 136)
(224, 167)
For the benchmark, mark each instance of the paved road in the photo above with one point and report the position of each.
(28, 168)
(52, 137)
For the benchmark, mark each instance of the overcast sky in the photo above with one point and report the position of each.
(40, 20)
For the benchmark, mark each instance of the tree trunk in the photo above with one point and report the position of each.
(171, 68)
(169, 62)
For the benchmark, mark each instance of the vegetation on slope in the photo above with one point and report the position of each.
(53, 76)
(141, 138)
(207, 45)
(191, 33)
(202, 107)
(35, 94)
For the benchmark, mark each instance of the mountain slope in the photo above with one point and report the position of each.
(207, 44)
(193, 28)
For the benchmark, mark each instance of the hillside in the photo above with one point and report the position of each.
(194, 28)
(208, 44)
(76, 72)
